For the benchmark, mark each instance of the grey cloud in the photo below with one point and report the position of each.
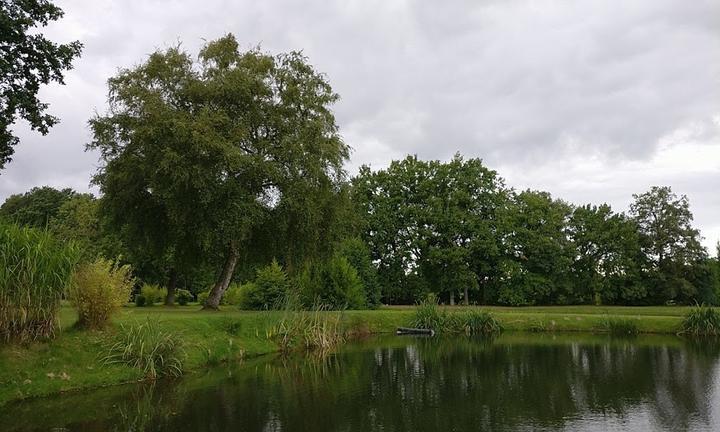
(522, 84)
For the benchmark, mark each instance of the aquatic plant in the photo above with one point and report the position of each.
(701, 320)
(429, 316)
(480, 322)
(313, 330)
(35, 270)
(147, 347)
(620, 326)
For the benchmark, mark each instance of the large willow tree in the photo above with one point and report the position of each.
(200, 154)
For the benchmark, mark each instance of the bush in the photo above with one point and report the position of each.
(234, 295)
(146, 347)
(184, 297)
(358, 255)
(334, 284)
(98, 289)
(35, 270)
(153, 294)
(140, 300)
(203, 296)
(701, 321)
(269, 290)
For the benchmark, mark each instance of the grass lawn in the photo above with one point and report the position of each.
(73, 360)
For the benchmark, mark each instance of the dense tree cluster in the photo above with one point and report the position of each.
(455, 229)
(227, 168)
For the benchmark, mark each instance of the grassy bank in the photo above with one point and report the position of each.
(72, 360)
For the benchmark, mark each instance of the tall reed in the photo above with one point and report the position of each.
(147, 347)
(701, 321)
(35, 269)
(313, 330)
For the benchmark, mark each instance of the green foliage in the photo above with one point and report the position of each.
(621, 326)
(140, 300)
(473, 322)
(202, 297)
(37, 207)
(428, 315)
(335, 284)
(145, 346)
(314, 330)
(98, 290)
(29, 60)
(480, 322)
(357, 254)
(153, 293)
(235, 294)
(701, 321)
(254, 132)
(183, 297)
(35, 269)
(269, 290)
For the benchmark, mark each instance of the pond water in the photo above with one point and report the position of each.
(516, 382)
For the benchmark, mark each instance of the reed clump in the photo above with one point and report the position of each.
(621, 327)
(701, 321)
(428, 315)
(35, 269)
(308, 330)
(145, 346)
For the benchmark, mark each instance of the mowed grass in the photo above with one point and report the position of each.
(73, 360)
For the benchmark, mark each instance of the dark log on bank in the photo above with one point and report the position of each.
(416, 331)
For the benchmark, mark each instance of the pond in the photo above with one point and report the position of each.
(516, 382)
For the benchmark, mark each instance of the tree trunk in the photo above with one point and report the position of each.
(171, 288)
(213, 300)
(452, 298)
(466, 299)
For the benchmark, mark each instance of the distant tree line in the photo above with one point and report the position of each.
(227, 168)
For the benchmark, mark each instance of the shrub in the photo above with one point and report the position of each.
(147, 347)
(98, 289)
(140, 300)
(334, 284)
(358, 255)
(234, 295)
(621, 327)
(35, 270)
(701, 321)
(184, 297)
(153, 294)
(269, 290)
(203, 296)
(474, 322)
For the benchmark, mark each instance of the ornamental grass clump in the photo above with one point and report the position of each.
(145, 346)
(429, 316)
(35, 269)
(313, 330)
(701, 321)
(621, 327)
(98, 290)
(478, 322)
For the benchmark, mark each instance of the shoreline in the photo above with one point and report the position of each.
(70, 362)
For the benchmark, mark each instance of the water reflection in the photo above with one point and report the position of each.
(517, 382)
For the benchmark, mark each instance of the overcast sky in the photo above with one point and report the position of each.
(590, 100)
